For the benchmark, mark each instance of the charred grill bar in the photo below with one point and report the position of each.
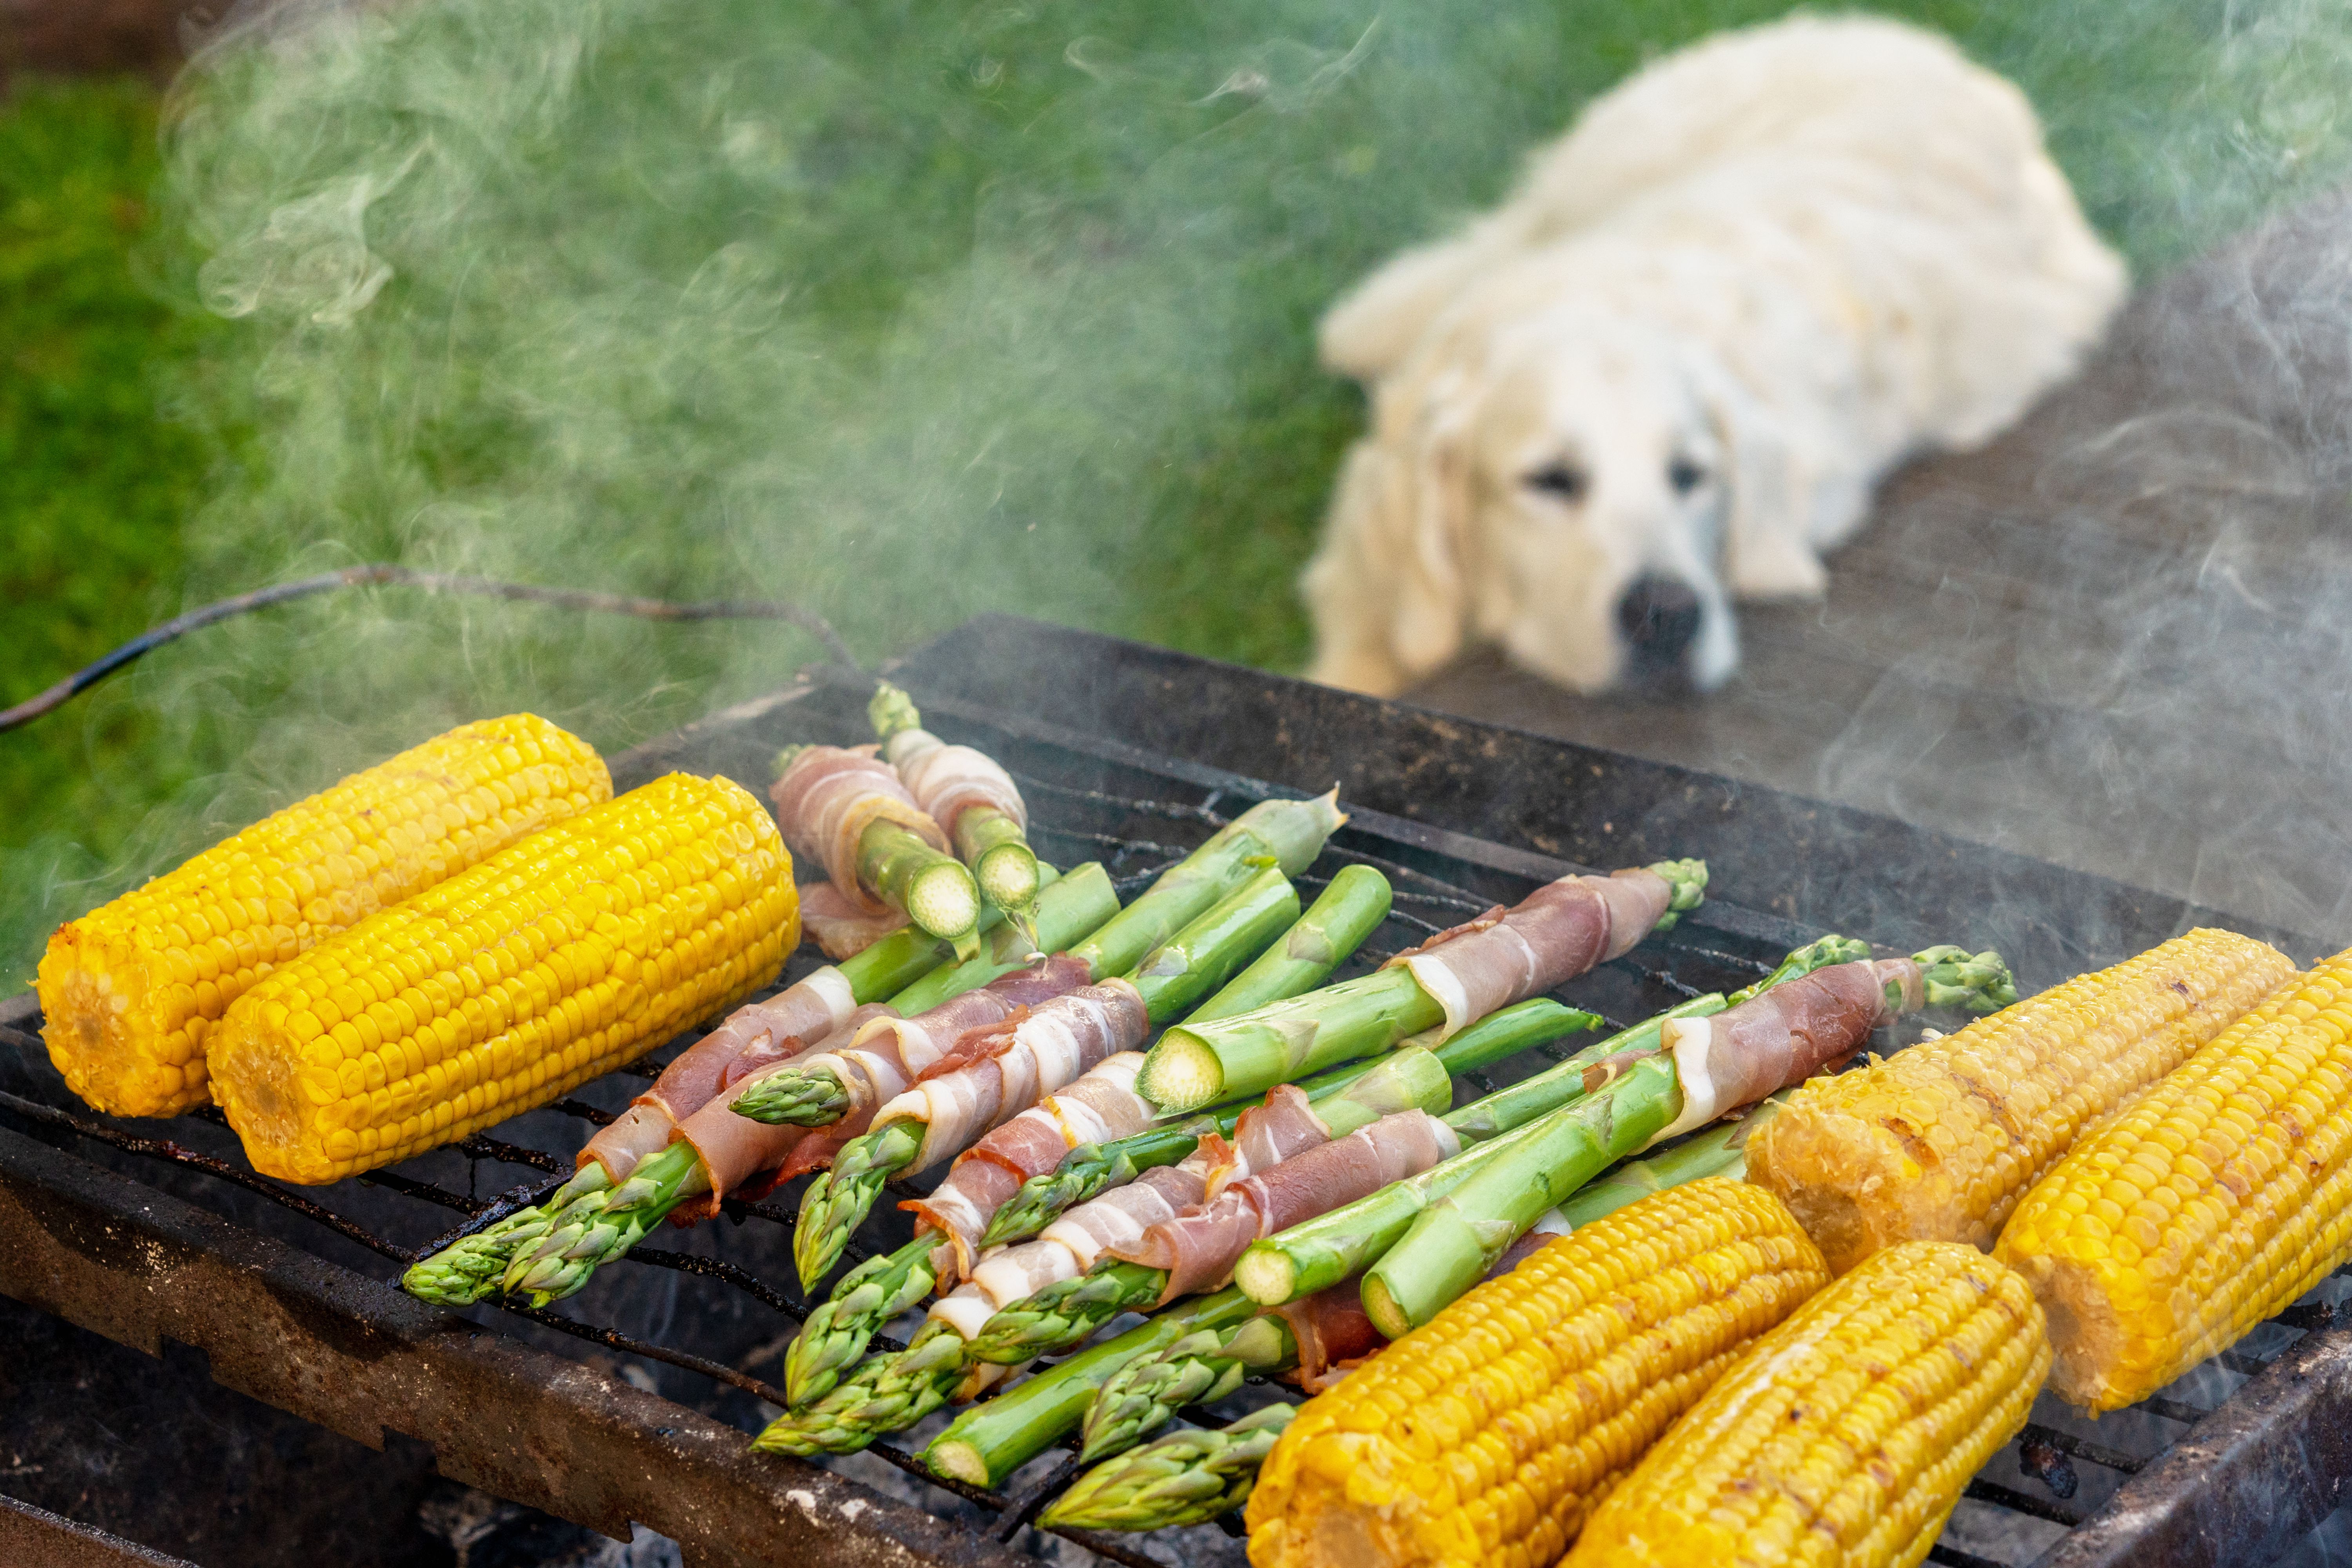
(1129, 755)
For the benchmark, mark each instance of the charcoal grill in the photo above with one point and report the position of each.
(149, 1232)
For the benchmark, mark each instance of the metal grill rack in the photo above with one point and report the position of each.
(2064, 1493)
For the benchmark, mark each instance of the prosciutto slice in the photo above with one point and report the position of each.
(1198, 1249)
(807, 1010)
(1268, 1134)
(1332, 1332)
(947, 781)
(887, 1055)
(1553, 936)
(1101, 1106)
(1784, 1036)
(743, 1156)
(1061, 1039)
(843, 929)
(828, 797)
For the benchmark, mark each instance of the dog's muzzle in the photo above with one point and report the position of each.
(1659, 619)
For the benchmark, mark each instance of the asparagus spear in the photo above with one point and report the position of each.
(472, 1267)
(986, 839)
(839, 1328)
(1717, 1150)
(1327, 1249)
(1214, 943)
(1333, 927)
(990, 1441)
(1067, 1313)
(1186, 1478)
(1199, 1064)
(1066, 911)
(1201, 1368)
(1448, 1247)
(936, 891)
(604, 1223)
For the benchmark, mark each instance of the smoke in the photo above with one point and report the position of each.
(902, 311)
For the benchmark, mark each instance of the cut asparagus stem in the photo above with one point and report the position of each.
(1186, 1478)
(884, 1394)
(1202, 956)
(604, 1223)
(471, 1266)
(990, 1441)
(1201, 1368)
(1068, 909)
(1068, 1312)
(879, 971)
(936, 891)
(1720, 1150)
(1290, 832)
(986, 839)
(1198, 1065)
(838, 1201)
(1333, 927)
(838, 1331)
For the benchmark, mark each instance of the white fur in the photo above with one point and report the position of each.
(1791, 256)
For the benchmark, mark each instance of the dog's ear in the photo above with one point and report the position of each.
(1768, 551)
(1387, 588)
(1375, 324)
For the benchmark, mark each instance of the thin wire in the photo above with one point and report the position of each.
(385, 575)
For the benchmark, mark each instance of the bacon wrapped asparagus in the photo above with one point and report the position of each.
(883, 855)
(1704, 1067)
(1556, 933)
(968, 794)
(1290, 832)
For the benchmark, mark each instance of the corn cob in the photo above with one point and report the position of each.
(1488, 1434)
(2212, 1202)
(553, 961)
(1938, 1143)
(132, 989)
(1845, 1436)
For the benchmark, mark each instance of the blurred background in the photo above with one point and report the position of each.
(900, 311)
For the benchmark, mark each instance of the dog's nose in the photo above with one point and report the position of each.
(1659, 617)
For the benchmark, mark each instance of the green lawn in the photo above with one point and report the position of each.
(903, 309)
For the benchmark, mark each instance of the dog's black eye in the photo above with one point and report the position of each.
(1684, 476)
(1562, 480)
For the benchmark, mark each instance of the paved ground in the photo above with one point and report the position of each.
(2118, 638)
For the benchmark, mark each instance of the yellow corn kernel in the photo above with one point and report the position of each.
(1938, 1143)
(2209, 1204)
(1841, 1438)
(129, 990)
(1486, 1435)
(502, 988)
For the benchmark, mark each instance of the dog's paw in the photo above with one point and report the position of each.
(1777, 569)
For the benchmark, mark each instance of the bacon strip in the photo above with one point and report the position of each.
(889, 1055)
(809, 1009)
(1198, 1249)
(947, 781)
(841, 928)
(1061, 1039)
(1333, 1333)
(828, 797)
(739, 1153)
(1784, 1036)
(1097, 1108)
(1553, 936)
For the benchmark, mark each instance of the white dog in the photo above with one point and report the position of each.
(1668, 370)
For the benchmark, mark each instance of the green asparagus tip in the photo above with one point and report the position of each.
(1980, 981)
(1688, 880)
(1185, 1478)
(783, 760)
(892, 711)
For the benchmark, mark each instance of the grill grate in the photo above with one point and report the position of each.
(1093, 801)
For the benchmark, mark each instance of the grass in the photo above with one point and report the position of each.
(904, 311)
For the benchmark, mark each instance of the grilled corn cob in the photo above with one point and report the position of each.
(1938, 1142)
(553, 961)
(2212, 1202)
(1843, 1436)
(1486, 1435)
(132, 989)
